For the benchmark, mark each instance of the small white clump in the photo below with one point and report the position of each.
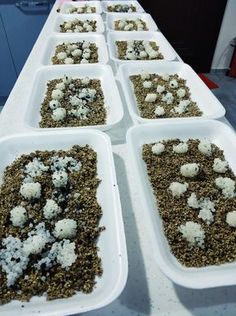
(35, 168)
(177, 189)
(181, 148)
(61, 55)
(193, 233)
(51, 209)
(227, 185)
(182, 107)
(205, 147)
(60, 179)
(57, 94)
(165, 77)
(189, 170)
(231, 218)
(220, 166)
(76, 52)
(64, 251)
(143, 54)
(160, 89)
(84, 61)
(193, 201)
(61, 86)
(54, 104)
(18, 216)
(159, 111)
(31, 190)
(59, 114)
(69, 61)
(158, 148)
(147, 84)
(145, 76)
(85, 81)
(65, 228)
(168, 98)
(173, 83)
(181, 93)
(151, 97)
(206, 215)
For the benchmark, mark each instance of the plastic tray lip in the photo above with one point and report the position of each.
(165, 48)
(195, 278)
(111, 17)
(57, 38)
(121, 240)
(70, 17)
(80, 3)
(90, 69)
(134, 2)
(124, 71)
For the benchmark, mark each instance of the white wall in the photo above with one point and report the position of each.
(223, 52)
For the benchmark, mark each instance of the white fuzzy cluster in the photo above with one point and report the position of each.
(65, 228)
(182, 107)
(79, 10)
(158, 148)
(193, 233)
(160, 89)
(80, 49)
(205, 147)
(31, 190)
(189, 170)
(60, 179)
(145, 76)
(78, 26)
(173, 84)
(206, 206)
(125, 8)
(66, 163)
(59, 114)
(151, 97)
(125, 25)
(181, 148)
(147, 84)
(231, 218)
(178, 189)
(168, 98)
(18, 216)
(64, 252)
(159, 111)
(220, 166)
(51, 209)
(138, 50)
(227, 186)
(181, 93)
(166, 77)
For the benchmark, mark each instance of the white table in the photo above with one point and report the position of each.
(148, 291)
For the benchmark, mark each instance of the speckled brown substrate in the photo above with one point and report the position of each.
(84, 9)
(122, 47)
(147, 109)
(135, 28)
(96, 116)
(220, 237)
(62, 48)
(56, 282)
(121, 8)
(80, 23)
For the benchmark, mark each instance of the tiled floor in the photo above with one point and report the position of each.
(226, 93)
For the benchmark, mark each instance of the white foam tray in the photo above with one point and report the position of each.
(53, 41)
(164, 46)
(68, 4)
(207, 102)
(112, 101)
(60, 19)
(105, 4)
(111, 242)
(219, 134)
(147, 18)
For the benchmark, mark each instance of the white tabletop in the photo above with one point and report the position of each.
(148, 291)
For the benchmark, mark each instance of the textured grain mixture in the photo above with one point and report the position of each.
(195, 193)
(78, 26)
(123, 8)
(130, 25)
(75, 53)
(73, 102)
(80, 9)
(49, 234)
(163, 96)
(138, 50)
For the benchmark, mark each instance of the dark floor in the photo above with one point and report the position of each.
(226, 93)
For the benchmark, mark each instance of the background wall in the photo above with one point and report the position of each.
(223, 52)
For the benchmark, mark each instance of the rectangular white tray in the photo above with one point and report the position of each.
(68, 4)
(165, 48)
(105, 4)
(53, 41)
(147, 18)
(219, 134)
(112, 101)
(207, 102)
(111, 242)
(67, 17)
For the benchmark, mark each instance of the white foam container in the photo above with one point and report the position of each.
(68, 4)
(53, 41)
(111, 242)
(205, 99)
(147, 18)
(136, 4)
(60, 19)
(164, 46)
(221, 135)
(112, 101)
